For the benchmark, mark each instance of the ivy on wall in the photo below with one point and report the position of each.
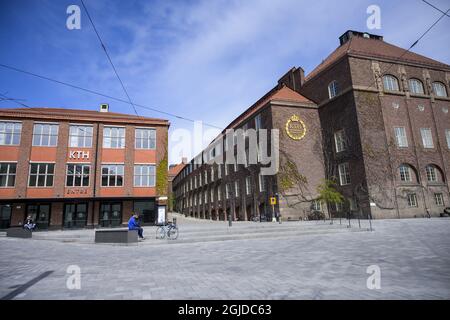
(162, 176)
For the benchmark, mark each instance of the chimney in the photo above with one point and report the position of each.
(293, 79)
(104, 107)
(184, 160)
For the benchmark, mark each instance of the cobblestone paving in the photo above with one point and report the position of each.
(414, 257)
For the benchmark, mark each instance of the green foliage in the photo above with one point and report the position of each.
(289, 177)
(162, 176)
(328, 193)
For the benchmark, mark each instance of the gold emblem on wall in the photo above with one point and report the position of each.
(295, 128)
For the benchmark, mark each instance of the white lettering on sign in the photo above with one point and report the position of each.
(79, 155)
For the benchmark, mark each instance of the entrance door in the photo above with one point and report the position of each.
(146, 211)
(5, 216)
(75, 215)
(40, 213)
(111, 214)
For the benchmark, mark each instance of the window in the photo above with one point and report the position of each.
(416, 86)
(41, 174)
(144, 175)
(412, 200)
(219, 194)
(7, 174)
(226, 169)
(145, 138)
(248, 185)
(195, 182)
(258, 124)
(405, 173)
(447, 136)
(80, 136)
(45, 135)
(10, 133)
(77, 175)
(344, 174)
(206, 177)
(339, 141)
(431, 173)
(206, 197)
(390, 83)
(400, 137)
(113, 137)
(212, 174)
(112, 175)
(439, 89)
(235, 166)
(316, 205)
(338, 206)
(333, 89)
(236, 189)
(439, 199)
(427, 138)
(228, 191)
(219, 171)
(211, 195)
(262, 183)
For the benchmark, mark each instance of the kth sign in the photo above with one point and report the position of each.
(79, 155)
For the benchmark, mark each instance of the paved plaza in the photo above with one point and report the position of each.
(413, 256)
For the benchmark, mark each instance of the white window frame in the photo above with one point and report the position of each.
(120, 140)
(41, 135)
(8, 174)
(390, 83)
(400, 137)
(339, 140)
(416, 86)
(439, 89)
(258, 123)
(262, 183)
(138, 173)
(344, 174)
(139, 138)
(333, 89)
(439, 199)
(248, 185)
(316, 205)
(431, 173)
(412, 200)
(46, 174)
(236, 189)
(427, 138)
(447, 137)
(115, 175)
(405, 173)
(14, 131)
(81, 175)
(83, 133)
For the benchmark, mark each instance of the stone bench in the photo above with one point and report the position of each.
(18, 232)
(116, 236)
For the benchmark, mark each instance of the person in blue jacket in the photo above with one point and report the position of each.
(133, 224)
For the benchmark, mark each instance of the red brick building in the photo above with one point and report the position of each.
(78, 168)
(372, 117)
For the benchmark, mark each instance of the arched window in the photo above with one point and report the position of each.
(439, 89)
(390, 83)
(333, 89)
(416, 86)
(434, 173)
(407, 173)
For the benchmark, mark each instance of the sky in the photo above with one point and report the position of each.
(203, 60)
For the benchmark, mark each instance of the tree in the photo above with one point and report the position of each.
(328, 194)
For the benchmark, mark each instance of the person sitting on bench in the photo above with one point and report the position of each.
(29, 225)
(133, 224)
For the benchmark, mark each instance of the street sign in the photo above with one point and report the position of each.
(273, 201)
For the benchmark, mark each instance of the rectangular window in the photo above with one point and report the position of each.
(212, 174)
(339, 141)
(112, 175)
(80, 136)
(262, 183)
(144, 175)
(344, 174)
(405, 174)
(212, 195)
(400, 137)
(219, 171)
(206, 197)
(258, 124)
(10, 133)
(427, 138)
(45, 135)
(113, 137)
(339, 207)
(447, 136)
(41, 174)
(248, 185)
(219, 193)
(226, 169)
(77, 175)
(439, 199)
(235, 166)
(412, 200)
(236, 189)
(228, 191)
(206, 177)
(145, 138)
(431, 173)
(7, 175)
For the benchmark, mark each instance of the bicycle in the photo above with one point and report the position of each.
(171, 230)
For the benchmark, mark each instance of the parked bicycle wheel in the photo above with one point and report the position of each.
(172, 233)
(160, 232)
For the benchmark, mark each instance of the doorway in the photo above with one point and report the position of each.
(110, 214)
(75, 215)
(40, 213)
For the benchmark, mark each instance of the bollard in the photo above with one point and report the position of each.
(174, 220)
(229, 220)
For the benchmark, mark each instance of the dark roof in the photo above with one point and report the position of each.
(79, 114)
(374, 48)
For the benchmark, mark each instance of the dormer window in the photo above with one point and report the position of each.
(439, 89)
(390, 83)
(333, 89)
(416, 86)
